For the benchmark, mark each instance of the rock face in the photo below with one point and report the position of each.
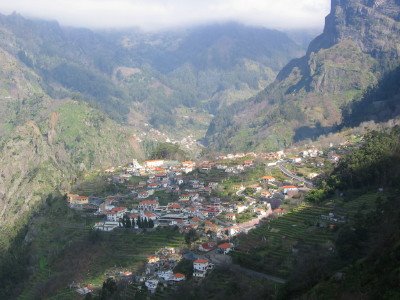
(359, 44)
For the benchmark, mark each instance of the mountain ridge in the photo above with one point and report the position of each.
(309, 93)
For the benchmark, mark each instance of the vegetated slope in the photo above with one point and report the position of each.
(203, 68)
(379, 103)
(358, 46)
(366, 259)
(45, 144)
(355, 254)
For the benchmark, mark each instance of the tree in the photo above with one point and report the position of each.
(191, 236)
(108, 289)
(145, 223)
(126, 221)
(139, 222)
(151, 223)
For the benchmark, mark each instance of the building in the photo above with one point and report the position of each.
(149, 216)
(153, 163)
(178, 277)
(151, 285)
(205, 247)
(241, 208)
(268, 179)
(76, 199)
(225, 248)
(152, 259)
(230, 216)
(116, 213)
(200, 267)
(289, 188)
(149, 205)
(211, 227)
(174, 206)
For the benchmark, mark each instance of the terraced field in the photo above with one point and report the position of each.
(269, 248)
(68, 251)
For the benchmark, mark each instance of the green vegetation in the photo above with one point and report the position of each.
(245, 216)
(308, 248)
(66, 249)
(223, 283)
(168, 151)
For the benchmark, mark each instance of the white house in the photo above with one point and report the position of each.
(241, 208)
(200, 267)
(151, 284)
(289, 188)
(149, 205)
(116, 213)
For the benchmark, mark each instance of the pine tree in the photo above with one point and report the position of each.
(151, 223)
(145, 223)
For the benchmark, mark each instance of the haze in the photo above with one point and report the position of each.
(164, 14)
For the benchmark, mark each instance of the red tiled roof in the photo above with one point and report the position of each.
(225, 246)
(201, 261)
(148, 202)
(179, 275)
(149, 214)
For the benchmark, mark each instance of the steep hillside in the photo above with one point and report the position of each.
(45, 144)
(157, 74)
(359, 44)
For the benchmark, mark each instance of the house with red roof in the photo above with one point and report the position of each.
(148, 205)
(77, 199)
(174, 206)
(289, 188)
(268, 179)
(178, 277)
(205, 247)
(225, 248)
(230, 216)
(116, 213)
(149, 216)
(200, 267)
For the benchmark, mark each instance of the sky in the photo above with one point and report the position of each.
(156, 15)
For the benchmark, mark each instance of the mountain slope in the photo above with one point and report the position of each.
(359, 44)
(122, 72)
(45, 144)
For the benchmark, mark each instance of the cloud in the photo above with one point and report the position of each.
(163, 14)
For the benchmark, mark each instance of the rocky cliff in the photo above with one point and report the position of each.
(359, 44)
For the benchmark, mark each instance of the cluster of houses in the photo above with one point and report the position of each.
(159, 269)
(194, 208)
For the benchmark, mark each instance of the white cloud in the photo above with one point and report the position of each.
(162, 14)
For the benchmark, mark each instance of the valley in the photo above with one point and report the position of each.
(214, 161)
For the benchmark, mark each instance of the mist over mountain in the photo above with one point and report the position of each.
(93, 116)
(358, 46)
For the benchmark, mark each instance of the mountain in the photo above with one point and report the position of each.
(73, 100)
(358, 47)
(46, 143)
(137, 77)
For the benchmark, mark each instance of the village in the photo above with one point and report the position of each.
(188, 196)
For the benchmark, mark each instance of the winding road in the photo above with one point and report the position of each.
(295, 177)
